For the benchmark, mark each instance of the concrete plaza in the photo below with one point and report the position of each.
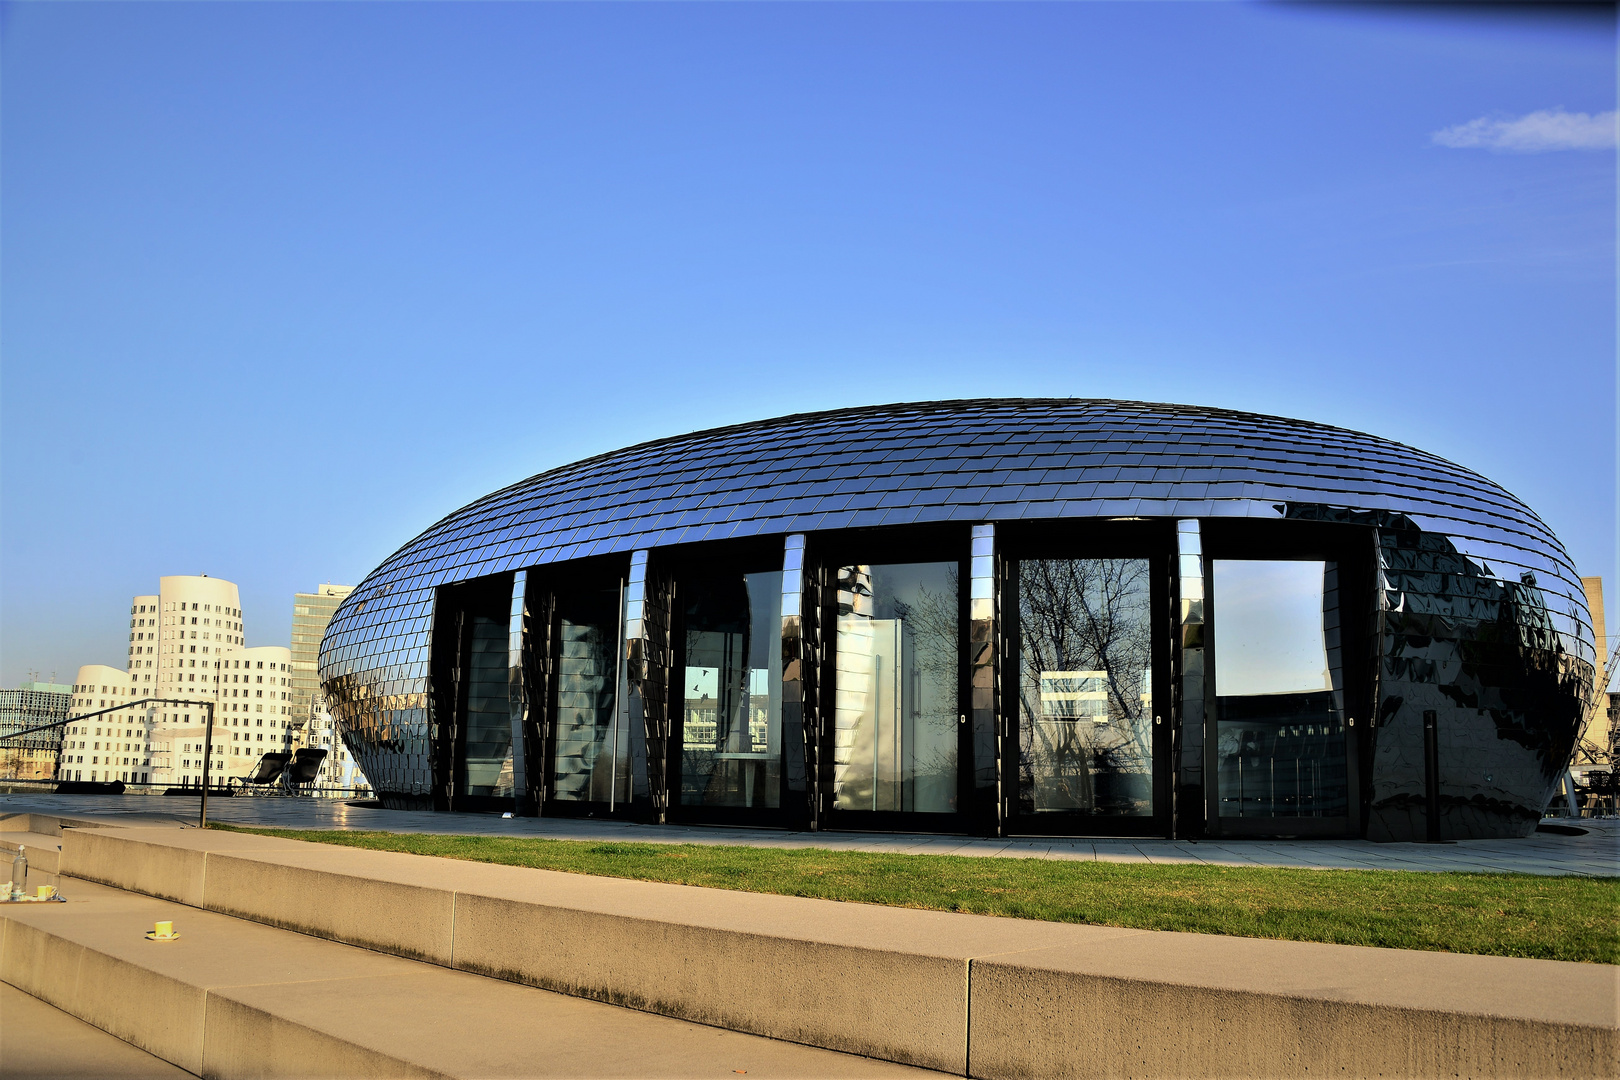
(1596, 852)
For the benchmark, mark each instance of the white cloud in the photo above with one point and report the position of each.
(1548, 129)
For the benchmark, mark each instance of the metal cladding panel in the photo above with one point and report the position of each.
(979, 461)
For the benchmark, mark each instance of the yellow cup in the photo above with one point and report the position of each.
(163, 929)
(45, 892)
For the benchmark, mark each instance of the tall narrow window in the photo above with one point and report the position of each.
(1085, 691)
(1279, 683)
(592, 755)
(488, 759)
(730, 697)
(896, 700)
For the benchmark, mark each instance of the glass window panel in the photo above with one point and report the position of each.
(731, 720)
(895, 688)
(1085, 710)
(487, 764)
(1279, 704)
(592, 756)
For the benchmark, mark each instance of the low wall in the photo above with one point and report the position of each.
(968, 994)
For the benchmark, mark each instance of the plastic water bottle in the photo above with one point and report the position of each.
(19, 875)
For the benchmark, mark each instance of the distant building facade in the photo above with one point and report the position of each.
(1597, 734)
(187, 645)
(312, 613)
(32, 705)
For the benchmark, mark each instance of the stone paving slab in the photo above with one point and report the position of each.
(1597, 852)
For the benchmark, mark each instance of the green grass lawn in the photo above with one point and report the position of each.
(1555, 918)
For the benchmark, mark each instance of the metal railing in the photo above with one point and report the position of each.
(208, 735)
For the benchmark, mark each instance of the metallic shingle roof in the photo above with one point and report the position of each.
(964, 461)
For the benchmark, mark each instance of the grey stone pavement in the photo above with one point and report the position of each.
(1596, 852)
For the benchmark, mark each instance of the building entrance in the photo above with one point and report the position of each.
(1083, 688)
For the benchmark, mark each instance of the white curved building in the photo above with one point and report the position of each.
(186, 644)
(110, 747)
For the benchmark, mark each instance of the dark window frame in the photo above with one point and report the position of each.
(1352, 547)
(545, 584)
(885, 546)
(685, 562)
(1091, 538)
(454, 605)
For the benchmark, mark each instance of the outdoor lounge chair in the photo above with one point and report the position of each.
(306, 766)
(264, 774)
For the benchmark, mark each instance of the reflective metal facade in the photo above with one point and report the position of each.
(1478, 611)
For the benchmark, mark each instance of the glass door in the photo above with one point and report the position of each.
(896, 732)
(726, 707)
(1087, 741)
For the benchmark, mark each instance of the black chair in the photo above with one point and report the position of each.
(264, 774)
(305, 768)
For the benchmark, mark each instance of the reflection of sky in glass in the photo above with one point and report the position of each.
(702, 682)
(1268, 628)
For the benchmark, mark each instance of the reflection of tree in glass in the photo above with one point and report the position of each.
(1084, 615)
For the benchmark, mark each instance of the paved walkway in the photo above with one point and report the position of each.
(1595, 853)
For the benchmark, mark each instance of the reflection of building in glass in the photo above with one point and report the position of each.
(339, 774)
(32, 705)
(998, 616)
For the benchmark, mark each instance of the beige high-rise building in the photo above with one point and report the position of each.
(312, 613)
(186, 644)
(1597, 737)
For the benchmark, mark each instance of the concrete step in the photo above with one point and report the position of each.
(41, 1042)
(43, 850)
(233, 998)
(967, 994)
(47, 824)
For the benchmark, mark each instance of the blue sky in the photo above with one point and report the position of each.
(319, 274)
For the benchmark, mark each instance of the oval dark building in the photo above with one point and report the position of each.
(993, 616)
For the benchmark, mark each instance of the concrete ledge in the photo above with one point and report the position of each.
(169, 863)
(405, 912)
(231, 998)
(1275, 1008)
(899, 1005)
(44, 851)
(46, 824)
(961, 993)
(40, 1041)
